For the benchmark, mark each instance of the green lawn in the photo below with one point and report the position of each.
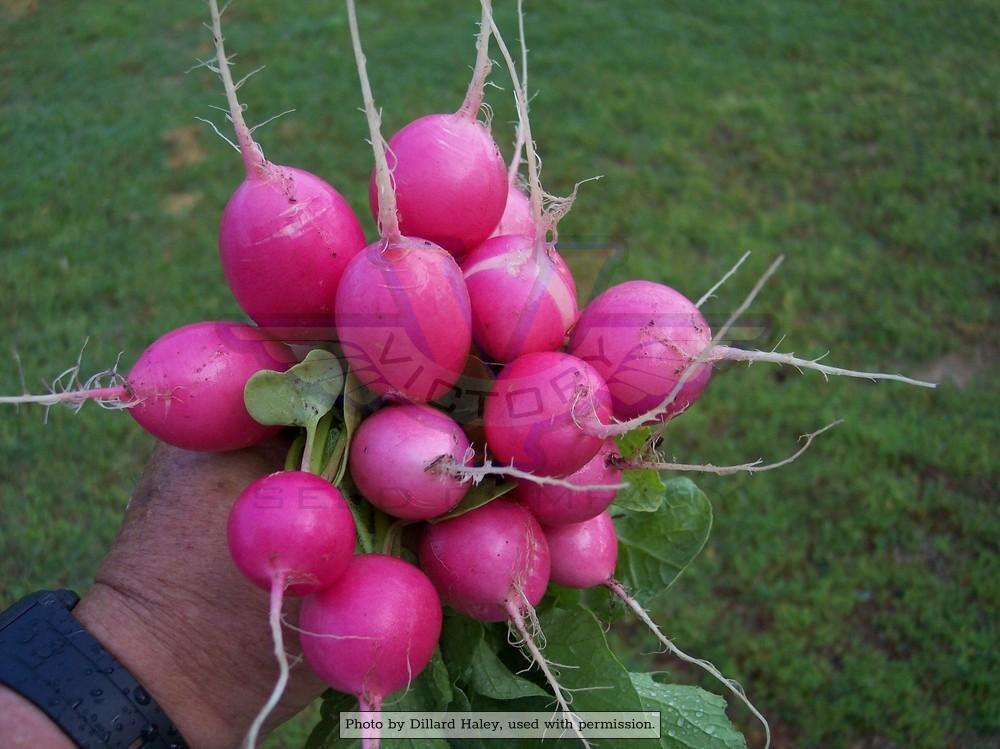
(856, 592)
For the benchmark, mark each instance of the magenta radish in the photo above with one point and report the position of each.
(373, 631)
(492, 563)
(390, 455)
(543, 411)
(450, 179)
(523, 295)
(557, 505)
(583, 554)
(655, 350)
(402, 310)
(523, 300)
(286, 236)
(186, 388)
(289, 533)
(517, 218)
(641, 336)
(487, 561)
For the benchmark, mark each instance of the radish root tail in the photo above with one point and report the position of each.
(619, 590)
(757, 466)
(370, 735)
(474, 96)
(750, 356)
(388, 219)
(524, 638)
(253, 155)
(277, 598)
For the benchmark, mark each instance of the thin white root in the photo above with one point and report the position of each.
(106, 388)
(446, 464)
(623, 427)
(277, 596)
(515, 161)
(524, 639)
(758, 466)
(301, 631)
(708, 294)
(371, 737)
(474, 95)
(388, 219)
(524, 125)
(733, 686)
(736, 354)
(253, 156)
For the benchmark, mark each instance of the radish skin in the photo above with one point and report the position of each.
(285, 236)
(558, 505)
(543, 411)
(408, 438)
(288, 532)
(373, 631)
(450, 179)
(397, 295)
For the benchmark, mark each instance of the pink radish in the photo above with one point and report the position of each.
(556, 505)
(523, 295)
(186, 389)
(373, 631)
(641, 336)
(289, 532)
(655, 350)
(450, 179)
(492, 563)
(585, 554)
(402, 310)
(390, 454)
(523, 299)
(286, 236)
(542, 412)
(488, 561)
(517, 218)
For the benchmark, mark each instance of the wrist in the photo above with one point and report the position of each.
(151, 640)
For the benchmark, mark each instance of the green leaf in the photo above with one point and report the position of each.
(326, 733)
(574, 637)
(477, 496)
(644, 492)
(655, 548)
(298, 397)
(336, 465)
(460, 636)
(633, 444)
(690, 717)
(490, 677)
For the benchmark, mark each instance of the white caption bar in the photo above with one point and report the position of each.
(500, 725)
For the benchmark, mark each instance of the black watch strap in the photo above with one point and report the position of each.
(48, 658)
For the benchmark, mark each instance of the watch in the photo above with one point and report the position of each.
(48, 658)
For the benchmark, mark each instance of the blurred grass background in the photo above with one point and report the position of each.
(855, 593)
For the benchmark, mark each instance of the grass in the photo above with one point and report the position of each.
(856, 592)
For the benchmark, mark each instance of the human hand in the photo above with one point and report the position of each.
(169, 603)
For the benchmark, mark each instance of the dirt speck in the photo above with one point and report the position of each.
(179, 203)
(960, 368)
(185, 146)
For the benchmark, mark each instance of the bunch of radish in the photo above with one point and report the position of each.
(386, 509)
